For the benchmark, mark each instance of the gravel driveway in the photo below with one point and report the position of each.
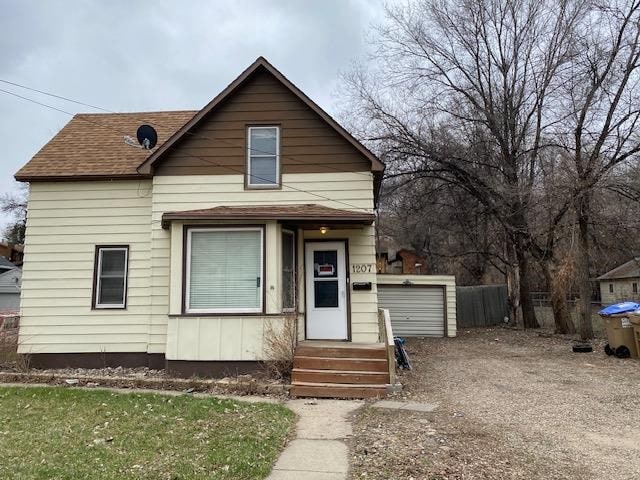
(512, 405)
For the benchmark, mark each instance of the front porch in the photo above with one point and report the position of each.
(346, 370)
(340, 370)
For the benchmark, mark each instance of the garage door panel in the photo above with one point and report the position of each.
(414, 311)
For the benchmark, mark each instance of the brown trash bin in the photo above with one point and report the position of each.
(635, 324)
(620, 332)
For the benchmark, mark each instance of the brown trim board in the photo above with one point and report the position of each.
(212, 369)
(96, 360)
(155, 361)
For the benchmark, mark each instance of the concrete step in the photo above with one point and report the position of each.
(337, 390)
(339, 376)
(345, 364)
(307, 350)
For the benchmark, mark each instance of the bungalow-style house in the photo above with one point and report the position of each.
(621, 284)
(257, 208)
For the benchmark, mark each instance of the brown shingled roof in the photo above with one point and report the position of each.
(297, 212)
(92, 145)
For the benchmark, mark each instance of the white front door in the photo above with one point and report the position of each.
(326, 291)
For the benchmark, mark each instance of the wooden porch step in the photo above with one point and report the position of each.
(337, 390)
(310, 350)
(339, 376)
(348, 364)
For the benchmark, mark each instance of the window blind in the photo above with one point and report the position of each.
(225, 270)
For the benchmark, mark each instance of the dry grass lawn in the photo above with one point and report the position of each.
(64, 433)
(512, 405)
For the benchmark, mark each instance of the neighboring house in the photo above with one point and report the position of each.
(10, 279)
(257, 207)
(621, 284)
(13, 253)
(404, 261)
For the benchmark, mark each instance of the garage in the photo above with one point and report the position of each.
(419, 305)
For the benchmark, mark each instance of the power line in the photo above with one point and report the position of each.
(49, 94)
(188, 155)
(141, 119)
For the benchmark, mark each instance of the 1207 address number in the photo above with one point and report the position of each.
(361, 268)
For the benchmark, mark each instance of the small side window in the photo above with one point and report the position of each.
(634, 287)
(611, 288)
(288, 271)
(263, 157)
(110, 277)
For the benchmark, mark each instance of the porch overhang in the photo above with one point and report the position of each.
(304, 215)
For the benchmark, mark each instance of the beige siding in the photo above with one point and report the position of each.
(218, 338)
(174, 193)
(66, 220)
(622, 290)
(446, 281)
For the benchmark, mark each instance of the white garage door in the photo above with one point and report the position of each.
(414, 311)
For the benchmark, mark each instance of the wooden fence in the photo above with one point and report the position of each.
(481, 305)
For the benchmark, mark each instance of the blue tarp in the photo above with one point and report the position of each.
(617, 308)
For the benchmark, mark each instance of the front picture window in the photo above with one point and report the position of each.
(224, 270)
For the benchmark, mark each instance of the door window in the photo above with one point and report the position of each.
(325, 278)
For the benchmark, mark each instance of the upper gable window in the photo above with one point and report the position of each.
(263, 157)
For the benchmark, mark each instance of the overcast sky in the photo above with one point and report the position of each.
(140, 56)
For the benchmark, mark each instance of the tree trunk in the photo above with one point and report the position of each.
(513, 293)
(557, 288)
(528, 313)
(585, 327)
(513, 285)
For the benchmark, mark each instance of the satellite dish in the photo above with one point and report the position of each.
(147, 136)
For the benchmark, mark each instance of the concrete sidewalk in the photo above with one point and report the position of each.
(318, 451)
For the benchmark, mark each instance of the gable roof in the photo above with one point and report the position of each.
(261, 63)
(630, 269)
(92, 145)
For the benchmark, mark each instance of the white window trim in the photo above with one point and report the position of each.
(250, 154)
(295, 280)
(99, 279)
(188, 272)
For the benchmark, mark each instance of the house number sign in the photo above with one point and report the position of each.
(361, 268)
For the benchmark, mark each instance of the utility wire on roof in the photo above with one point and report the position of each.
(84, 118)
(141, 119)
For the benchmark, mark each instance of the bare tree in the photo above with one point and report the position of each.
(15, 205)
(602, 131)
(461, 94)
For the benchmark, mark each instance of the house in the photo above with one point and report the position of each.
(254, 209)
(621, 283)
(405, 261)
(13, 253)
(10, 280)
